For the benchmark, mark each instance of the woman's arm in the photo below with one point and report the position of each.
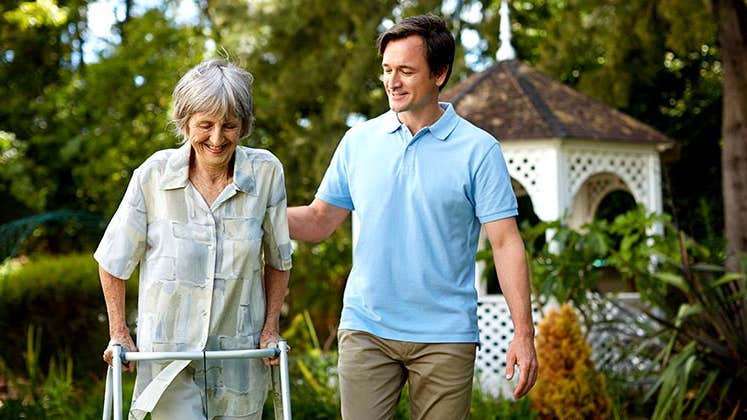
(114, 295)
(276, 285)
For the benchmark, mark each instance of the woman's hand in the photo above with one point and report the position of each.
(125, 340)
(266, 338)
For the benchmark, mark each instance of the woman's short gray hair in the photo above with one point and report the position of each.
(214, 87)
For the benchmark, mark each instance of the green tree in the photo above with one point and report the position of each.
(659, 62)
(41, 42)
(63, 118)
(120, 107)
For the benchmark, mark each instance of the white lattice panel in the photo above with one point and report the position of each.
(536, 170)
(525, 166)
(591, 193)
(615, 324)
(600, 185)
(632, 167)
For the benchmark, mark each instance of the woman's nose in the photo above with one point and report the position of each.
(216, 135)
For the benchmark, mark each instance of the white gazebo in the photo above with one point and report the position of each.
(565, 151)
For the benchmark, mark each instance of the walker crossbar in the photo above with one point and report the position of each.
(198, 355)
(113, 391)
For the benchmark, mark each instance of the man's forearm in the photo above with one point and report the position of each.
(301, 224)
(512, 271)
(316, 221)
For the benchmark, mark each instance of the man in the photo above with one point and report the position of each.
(422, 181)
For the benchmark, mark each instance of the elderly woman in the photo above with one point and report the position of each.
(207, 224)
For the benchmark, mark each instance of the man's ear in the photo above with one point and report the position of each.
(441, 77)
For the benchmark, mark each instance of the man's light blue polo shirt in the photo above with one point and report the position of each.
(421, 201)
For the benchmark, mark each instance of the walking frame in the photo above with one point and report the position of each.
(280, 392)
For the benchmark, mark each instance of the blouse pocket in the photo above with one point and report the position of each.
(242, 229)
(243, 246)
(192, 231)
(192, 249)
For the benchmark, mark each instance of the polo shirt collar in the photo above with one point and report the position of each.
(446, 124)
(440, 129)
(176, 173)
(391, 122)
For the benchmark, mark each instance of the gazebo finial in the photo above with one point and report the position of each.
(506, 51)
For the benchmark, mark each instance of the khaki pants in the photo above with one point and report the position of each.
(373, 371)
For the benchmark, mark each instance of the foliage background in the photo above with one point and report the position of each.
(74, 125)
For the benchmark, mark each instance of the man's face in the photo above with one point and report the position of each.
(408, 81)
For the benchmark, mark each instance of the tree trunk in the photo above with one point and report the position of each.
(732, 21)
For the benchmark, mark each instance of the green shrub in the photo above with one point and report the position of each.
(34, 393)
(60, 296)
(315, 393)
(487, 407)
(702, 368)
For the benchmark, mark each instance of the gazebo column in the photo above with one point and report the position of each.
(654, 203)
(550, 200)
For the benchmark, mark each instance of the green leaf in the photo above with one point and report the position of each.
(703, 390)
(674, 280)
(36, 14)
(686, 310)
(729, 278)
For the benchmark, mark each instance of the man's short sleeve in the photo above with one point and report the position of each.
(335, 188)
(123, 244)
(276, 239)
(494, 196)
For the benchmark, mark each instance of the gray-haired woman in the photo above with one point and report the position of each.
(207, 224)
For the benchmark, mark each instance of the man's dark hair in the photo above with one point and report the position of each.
(439, 42)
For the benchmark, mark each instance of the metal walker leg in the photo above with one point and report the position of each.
(281, 396)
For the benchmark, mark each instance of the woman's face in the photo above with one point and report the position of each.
(213, 138)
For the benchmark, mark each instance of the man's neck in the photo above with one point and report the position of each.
(416, 121)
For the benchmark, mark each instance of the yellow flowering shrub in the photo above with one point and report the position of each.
(568, 386)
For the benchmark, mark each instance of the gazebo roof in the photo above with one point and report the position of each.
(514, 101)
